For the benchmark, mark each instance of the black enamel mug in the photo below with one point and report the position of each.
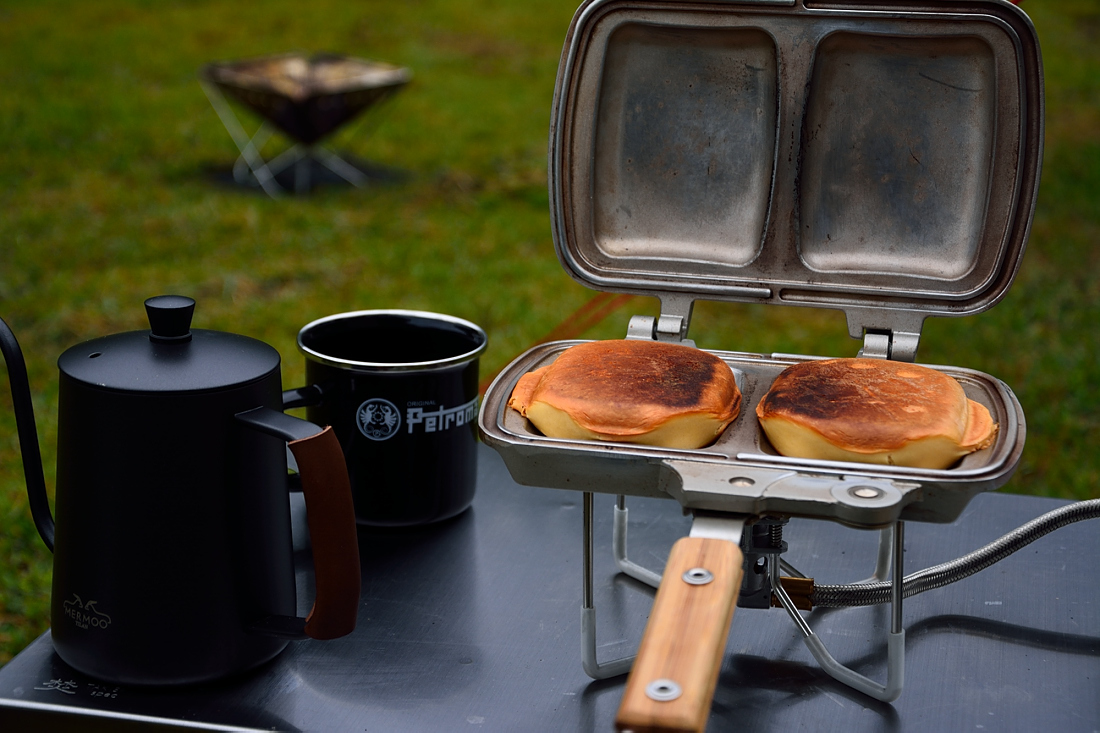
(400, 390)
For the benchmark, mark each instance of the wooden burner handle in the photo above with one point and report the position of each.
(672, 682)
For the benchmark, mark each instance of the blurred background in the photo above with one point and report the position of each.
(115, 186)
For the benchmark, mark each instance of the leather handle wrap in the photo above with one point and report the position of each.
(331, 517)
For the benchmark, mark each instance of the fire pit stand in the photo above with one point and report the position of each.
(307, 98)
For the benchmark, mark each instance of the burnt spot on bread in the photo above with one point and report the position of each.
(812, 395)
(677, 383)
(865, 404)
(635, 386)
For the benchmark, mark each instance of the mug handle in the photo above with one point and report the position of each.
(331, 518)
(309, 396)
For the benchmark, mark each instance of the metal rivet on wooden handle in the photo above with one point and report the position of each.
(684, 640)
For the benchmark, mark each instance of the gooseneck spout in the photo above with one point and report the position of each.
(28, 434)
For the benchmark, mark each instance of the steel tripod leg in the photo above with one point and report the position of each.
(340, 167)
(285, 159)
(244, 143)
(242, 170)
(592, 666)
(302, 174)
(895, 650)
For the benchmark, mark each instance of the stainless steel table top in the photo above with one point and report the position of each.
(475, 625)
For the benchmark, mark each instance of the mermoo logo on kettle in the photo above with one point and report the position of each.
(85, 614)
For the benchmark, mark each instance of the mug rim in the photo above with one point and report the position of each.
(333, 361)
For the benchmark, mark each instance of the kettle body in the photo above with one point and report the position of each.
(169, 540)
(172, 532)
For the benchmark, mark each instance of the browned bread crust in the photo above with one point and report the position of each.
(625, 390)
(873, 408)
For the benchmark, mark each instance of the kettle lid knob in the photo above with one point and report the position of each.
(170, 318)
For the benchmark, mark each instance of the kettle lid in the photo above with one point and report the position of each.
(170, 356)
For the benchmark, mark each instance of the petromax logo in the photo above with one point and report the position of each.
(85, 614)
(441, 418)
(378, 419)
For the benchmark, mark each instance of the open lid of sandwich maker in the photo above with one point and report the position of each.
(879, 158)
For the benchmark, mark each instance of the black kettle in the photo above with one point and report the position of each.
(172, 546)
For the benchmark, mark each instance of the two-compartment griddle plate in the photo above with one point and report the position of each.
(741, 473)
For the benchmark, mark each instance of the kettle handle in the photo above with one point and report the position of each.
(28, 434)
(330, 514)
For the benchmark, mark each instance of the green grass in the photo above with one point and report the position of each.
(106, 197)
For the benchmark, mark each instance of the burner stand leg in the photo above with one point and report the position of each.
(618, 546)
(895, 650)
(885, 556)
(890, 562)
(592, 666)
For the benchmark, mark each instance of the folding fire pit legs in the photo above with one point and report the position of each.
(307, 99)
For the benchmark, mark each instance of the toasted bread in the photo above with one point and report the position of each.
(873, 411)
(631, 391)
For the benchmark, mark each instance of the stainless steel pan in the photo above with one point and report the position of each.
(741, 473)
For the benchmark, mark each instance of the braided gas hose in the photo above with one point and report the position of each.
(869, 594)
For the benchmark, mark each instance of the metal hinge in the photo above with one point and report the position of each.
(893, 345)
(886, 334)
(671, 325)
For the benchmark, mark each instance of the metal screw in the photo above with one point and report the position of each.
(865, 492)
(698, 576)
(663, 690)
